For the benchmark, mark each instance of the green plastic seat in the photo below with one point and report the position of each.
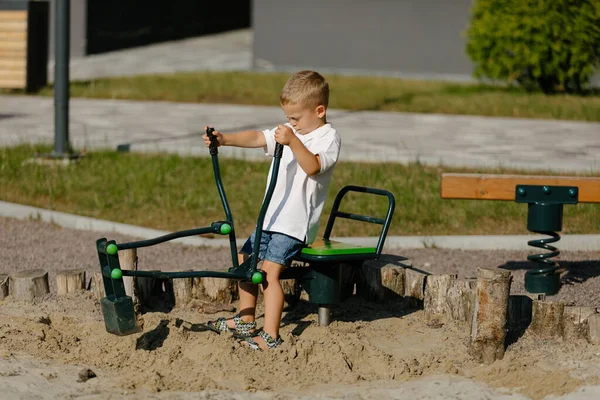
(331, 250)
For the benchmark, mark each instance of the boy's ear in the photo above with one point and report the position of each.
(320, 111)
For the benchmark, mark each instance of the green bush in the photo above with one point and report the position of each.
(552, 45)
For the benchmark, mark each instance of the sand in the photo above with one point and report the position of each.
(369, 351)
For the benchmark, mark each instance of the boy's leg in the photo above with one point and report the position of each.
(248, 293)
(274, 300)
(274, 297)
(279, 252)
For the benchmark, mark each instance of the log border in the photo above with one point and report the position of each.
(454, 299)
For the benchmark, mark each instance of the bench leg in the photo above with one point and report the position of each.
(324, 316)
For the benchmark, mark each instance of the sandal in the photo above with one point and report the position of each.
(242, 329)
(269, 340)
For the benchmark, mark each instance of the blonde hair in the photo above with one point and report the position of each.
(307, 88)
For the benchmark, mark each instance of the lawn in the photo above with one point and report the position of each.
(347, 92)
(172, 192)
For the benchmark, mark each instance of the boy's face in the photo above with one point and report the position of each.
(304, 119)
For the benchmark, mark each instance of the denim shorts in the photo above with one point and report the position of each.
(275, 247)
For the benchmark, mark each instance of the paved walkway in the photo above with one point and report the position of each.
(367, 136)
(370, 136)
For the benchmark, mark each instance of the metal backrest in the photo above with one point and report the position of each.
(385, 222)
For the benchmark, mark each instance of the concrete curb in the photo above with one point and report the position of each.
(487, 242)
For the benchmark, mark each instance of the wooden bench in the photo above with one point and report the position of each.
(502, 187)
(23, 45)
(545, 195)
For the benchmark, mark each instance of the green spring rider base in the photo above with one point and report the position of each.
(545, 217)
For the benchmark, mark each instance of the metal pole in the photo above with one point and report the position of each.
(61, 77)
(324, 315)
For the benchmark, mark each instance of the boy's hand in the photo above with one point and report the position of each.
(216, 134)
(284, 135)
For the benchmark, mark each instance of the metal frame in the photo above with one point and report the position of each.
(322, 280)
(109, 263)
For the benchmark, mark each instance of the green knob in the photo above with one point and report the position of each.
(521, 191)
(225, 229)
(112, 249)
(573, 192)
(257, 278)
(116, 273)
(547, 190)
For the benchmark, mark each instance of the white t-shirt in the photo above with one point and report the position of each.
(298, 199)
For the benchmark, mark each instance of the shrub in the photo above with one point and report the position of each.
(552, 45)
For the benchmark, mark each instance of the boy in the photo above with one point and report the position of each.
(311, 150)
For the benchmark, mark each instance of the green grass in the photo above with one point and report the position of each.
(174, 193)
(351, 93)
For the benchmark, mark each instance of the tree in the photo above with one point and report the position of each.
(552, 45)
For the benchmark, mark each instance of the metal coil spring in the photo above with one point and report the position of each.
(544, 258)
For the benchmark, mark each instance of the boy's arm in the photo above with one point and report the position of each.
(248, 139)
(309, 162)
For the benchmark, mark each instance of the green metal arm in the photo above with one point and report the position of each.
(118, 309)
(214, 228)
(214, 154)
(250, 265)
(187, 274)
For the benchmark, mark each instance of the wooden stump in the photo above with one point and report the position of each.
(488, 329)
(575, 322)
(461, 299)
(70, 281)
(3, 286)
(128, 260)
(97, 285)
(414, 287)
(304, 295)
(220, 290)
(594, 329)
(291, 292)
(547, 318)
(182, 290)
(436, 294)
(380, 281)
(28, 285)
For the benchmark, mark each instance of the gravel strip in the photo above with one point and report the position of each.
(33, 244)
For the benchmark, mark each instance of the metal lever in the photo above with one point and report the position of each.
(278, 150)
(214, 145)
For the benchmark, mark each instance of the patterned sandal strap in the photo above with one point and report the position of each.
(253, 345)
(243, 328)
(220, 324)
(270, 340)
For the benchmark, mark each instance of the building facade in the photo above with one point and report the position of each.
(417, 39)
